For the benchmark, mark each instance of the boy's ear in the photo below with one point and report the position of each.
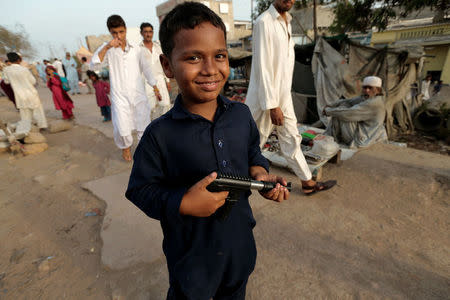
(165, 63)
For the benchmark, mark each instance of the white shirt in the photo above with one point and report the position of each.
(426, 89)
(127, 85)
(153, 59)
(272, 64)
(59, 69)
(22, 83)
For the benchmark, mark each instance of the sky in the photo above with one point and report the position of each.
(56, 26)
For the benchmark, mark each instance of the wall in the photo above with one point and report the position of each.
(163, 9)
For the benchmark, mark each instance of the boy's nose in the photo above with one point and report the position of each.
(209, 67)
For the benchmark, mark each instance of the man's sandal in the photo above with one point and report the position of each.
(318, 187)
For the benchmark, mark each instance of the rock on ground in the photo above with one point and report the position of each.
(59, 125)
(29, 149)
(35, 138)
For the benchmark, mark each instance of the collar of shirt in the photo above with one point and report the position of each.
(128, 46)
(180, 112)
(276, 15)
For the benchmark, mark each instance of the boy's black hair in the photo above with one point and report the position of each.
(13, 57)
(92, 73)
(145, 24)
(83, 59)
(187, 15)
(115, 21)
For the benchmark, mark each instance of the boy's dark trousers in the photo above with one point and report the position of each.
(222, 293)
(106, 112)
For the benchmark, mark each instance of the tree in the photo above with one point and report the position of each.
(15, 41)
(361, 15)
(440, 7)
(263, 5)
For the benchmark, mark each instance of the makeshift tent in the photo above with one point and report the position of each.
(238, 57)
(339, 67)
(83, 52)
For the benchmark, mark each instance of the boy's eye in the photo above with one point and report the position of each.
(193, 58)
(221, 56)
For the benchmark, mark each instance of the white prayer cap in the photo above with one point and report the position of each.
(372, 81)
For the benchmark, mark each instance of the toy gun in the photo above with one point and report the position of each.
(235, 185)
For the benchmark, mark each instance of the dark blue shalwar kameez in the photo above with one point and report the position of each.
(207, 258)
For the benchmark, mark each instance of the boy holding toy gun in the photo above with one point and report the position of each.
(179, 154)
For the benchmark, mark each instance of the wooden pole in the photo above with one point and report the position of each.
(315, 19)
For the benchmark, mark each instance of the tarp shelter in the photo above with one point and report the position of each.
(240, 58)
(83, 52)
(339, 65)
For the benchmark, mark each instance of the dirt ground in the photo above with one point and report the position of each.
(383, 232)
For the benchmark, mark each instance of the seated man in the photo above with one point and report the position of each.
(359, 122)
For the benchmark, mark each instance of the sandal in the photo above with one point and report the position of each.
(318, 187)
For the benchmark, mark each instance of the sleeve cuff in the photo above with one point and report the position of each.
(173, 206)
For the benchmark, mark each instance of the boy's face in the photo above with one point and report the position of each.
(93, 78)
(199, 62)
(119, 33)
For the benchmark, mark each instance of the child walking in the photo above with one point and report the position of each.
(101, 93)
(61, 99)
(180, 154)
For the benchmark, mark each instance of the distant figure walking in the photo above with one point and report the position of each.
(425, 91)
(130, 107)
(57, 64)
(85, 67)
(101, 93)
(61, 99)
(26, 95)
(6, 87)
(71, 73)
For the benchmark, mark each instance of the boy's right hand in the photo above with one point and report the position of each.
(199, 202)
(114, 43)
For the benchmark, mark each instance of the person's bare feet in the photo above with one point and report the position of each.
(126, 154)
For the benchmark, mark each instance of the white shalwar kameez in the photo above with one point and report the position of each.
(270, 86)
(130, 109)
(72, 74)
(59, 68)
(27, 97)
(158, 107)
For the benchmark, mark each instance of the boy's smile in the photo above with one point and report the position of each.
(199, 62)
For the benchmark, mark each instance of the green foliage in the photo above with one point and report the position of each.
(361, 15)
(261, 6)
(15, 41)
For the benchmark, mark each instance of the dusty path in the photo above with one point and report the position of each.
(382, 233)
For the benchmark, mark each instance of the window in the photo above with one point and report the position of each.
(223, 8)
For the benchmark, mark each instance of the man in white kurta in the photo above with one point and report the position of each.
(27, 97)
(84, 78)
(151, 51)
(59, 67)
(130, 109)
(71, 73)
(269, 92)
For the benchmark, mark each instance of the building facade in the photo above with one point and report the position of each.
(223, 8)
(435, 38)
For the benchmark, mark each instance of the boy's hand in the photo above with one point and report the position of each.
(280, 192)
(115, 43)
(199, 202)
